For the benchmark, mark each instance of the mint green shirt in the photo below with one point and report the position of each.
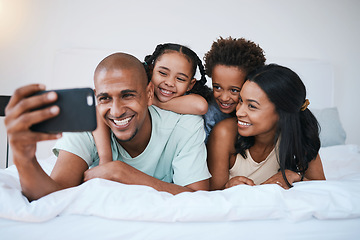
(176, 152)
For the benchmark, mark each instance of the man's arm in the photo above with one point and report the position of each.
(121, 172)
(20, 116)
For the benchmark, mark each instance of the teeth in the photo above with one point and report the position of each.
(123, 121)
(243, 123)
(226, 104)
(165, 91)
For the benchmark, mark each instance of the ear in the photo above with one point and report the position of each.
(150, 93)
(192, 83)
(95, 95)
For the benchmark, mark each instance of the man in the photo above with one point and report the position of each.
(157, 148)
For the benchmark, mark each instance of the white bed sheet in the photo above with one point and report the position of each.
(107, 210)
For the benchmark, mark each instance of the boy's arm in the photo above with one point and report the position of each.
(102, 140)
(187, 104)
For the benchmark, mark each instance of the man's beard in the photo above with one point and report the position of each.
(129, 139)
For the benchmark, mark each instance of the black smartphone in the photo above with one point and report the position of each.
(77, 112)
(4, 100)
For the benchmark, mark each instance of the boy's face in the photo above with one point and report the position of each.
(172, 76)
(227, 82)
(123, 97)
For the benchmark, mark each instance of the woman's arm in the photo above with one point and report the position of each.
(220, 148)
(315, 170)
(187, 104)
(102, 140)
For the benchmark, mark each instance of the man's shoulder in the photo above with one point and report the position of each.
(72, 139)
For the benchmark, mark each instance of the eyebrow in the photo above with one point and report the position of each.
(253, 101)
(230, 86)
(122, 92)
(183, 74)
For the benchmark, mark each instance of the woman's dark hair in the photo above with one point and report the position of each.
(199, 87)
(241, 53)
(297, 129)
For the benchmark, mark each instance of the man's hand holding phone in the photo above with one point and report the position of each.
(34, 115)
(20, 117)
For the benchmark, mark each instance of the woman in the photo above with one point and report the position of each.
(274, 138)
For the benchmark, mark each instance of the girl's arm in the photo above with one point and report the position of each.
(220, 148)
(187, 104)
(102, 141)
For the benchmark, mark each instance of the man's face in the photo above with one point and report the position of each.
(123, 97)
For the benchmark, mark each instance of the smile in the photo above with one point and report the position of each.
(225, 105)
(166, 92)
(122, 122)
(243, 123)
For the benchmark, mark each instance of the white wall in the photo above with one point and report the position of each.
(35, 33)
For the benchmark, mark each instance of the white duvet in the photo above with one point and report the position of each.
(336, 198)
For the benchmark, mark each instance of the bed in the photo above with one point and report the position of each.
(102, 209)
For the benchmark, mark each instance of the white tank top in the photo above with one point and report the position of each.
(258, 172)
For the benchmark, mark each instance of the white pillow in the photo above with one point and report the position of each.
(331, 132)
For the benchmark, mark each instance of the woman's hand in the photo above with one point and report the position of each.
(278, 179)
(238, 180)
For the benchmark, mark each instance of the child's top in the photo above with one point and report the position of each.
(213, 116)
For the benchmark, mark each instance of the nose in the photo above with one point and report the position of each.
(170, 82)
(225, 96)
(117, 109)
(240, 110)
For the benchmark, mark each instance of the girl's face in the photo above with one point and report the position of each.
(255, 113)
(227, 82)
(172, 76)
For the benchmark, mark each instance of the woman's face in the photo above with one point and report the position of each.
(172, 76)
(255, 113)
(227, 82)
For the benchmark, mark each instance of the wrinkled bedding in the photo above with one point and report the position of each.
(336, 198)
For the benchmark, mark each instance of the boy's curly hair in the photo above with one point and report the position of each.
(241, 53)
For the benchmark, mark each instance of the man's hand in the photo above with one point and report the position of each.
(20, 117)
(110, 171)
(121, 172)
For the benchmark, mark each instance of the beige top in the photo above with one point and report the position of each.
(258, 172)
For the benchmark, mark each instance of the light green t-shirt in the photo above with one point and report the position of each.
(176, 152)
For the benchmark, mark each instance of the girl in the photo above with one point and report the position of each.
(227, 63)
(275, 138)
(171, 68)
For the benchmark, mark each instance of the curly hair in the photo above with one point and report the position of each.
(241, 53)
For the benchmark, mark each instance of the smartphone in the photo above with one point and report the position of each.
(4, 100)
(77, 112)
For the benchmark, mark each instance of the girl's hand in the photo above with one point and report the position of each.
(239, 180)
(279, 180)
